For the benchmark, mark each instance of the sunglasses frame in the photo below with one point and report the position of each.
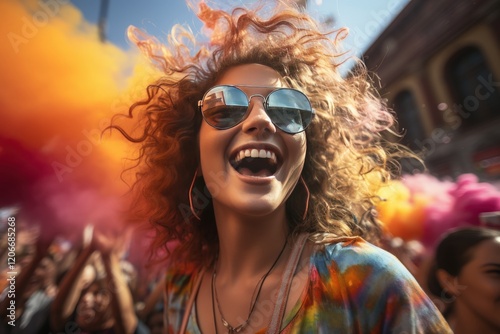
(249, 98)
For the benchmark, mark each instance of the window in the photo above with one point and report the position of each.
(473, 87)
(409, 119)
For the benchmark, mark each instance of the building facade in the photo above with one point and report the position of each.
(439, 67)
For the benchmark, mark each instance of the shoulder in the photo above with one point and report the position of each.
(374, 283)
(348, 254)
(364, 273)
(179, 280)
(179, 286)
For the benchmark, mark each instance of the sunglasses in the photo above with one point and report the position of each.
(225, 106)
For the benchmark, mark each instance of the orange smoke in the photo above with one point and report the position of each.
(401, 212)
(60, 88)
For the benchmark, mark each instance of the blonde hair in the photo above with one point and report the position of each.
(346, 152)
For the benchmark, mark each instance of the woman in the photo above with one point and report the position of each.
(255, 158)
(466, 278)
(94, 296)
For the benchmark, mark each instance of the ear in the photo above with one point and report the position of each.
(448, 282)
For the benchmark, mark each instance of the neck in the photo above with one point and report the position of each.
(248, 246)
(464, 321)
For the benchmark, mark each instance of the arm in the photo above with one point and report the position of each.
(408, 308)
(153, 298)
(42, 246)
(121, 299)
(69, 291)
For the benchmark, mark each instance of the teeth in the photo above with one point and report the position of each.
(255, 153)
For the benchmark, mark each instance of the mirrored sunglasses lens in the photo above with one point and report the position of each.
(290, 110)
(224, 106)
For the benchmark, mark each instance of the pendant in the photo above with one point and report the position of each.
(231, 329)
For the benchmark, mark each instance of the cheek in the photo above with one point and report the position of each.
(213, 144)
(491, 286)
(297, 147)
(479, 288)
(208, 145)
(103, 299)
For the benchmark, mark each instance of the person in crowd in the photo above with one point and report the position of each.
(33, 290)
(94, 296)
(258, 159)
(465, 279)
(152, 304)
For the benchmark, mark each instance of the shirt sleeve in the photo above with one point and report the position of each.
(177, 291)
(380, 294)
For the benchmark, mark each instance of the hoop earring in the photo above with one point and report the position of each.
(191, 197)
(307, 198)
(447, 297)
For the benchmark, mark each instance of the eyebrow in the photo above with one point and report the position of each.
(491, 264)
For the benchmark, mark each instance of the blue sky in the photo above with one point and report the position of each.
(364, 18)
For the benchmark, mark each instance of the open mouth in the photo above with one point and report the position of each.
(255, 162)
(85, 314)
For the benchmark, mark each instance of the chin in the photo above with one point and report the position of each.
(256, 207)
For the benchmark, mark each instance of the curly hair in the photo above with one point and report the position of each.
(346, 157)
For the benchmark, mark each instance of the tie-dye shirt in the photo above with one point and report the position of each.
(353, 287)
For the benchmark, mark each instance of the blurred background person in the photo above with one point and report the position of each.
(94, 295)
(465, 279)
(35, 285)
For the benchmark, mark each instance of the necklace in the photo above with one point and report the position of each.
(253, 300)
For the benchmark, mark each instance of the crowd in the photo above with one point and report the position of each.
(85, 284)
(90, 287)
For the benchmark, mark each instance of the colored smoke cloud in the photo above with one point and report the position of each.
(60, 88)
(421, 207)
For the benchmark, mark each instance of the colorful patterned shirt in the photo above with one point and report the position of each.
(353, 287)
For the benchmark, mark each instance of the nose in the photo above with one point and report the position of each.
(38, 272)
(257, 120)
(87, 299)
